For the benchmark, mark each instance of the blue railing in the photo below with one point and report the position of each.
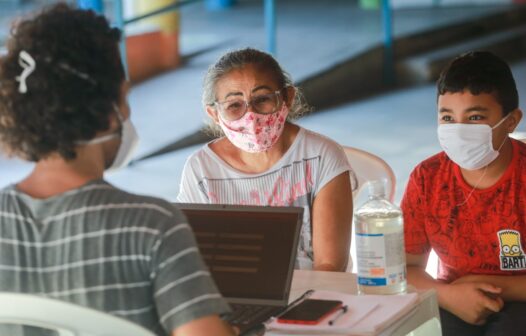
(96, 5)
(270, 25)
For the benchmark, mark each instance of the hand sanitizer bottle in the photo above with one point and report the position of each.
(380, 251)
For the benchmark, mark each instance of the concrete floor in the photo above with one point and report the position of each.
(399, 126)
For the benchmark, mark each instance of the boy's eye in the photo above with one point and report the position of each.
(476, 117)
(446, 118)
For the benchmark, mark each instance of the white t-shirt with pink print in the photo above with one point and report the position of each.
(309, 164)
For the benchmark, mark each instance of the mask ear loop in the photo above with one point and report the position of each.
(107, 137)
(474, 187)
(119, 114)
(485, 170)
(500, 122)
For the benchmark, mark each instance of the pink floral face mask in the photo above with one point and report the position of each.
(255, 132)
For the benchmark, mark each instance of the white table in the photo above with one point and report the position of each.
(423, 320)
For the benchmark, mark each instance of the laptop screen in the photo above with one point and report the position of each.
(250, 250)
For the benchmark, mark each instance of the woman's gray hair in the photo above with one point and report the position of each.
(238, 59)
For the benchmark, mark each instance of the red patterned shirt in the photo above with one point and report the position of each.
(486, 235)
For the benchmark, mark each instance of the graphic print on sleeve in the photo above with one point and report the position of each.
(283, 187)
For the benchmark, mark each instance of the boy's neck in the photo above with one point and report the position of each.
(487, 176)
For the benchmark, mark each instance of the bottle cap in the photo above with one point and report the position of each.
(377, 188)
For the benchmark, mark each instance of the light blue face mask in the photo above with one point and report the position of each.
(129, 142)
(469, 145)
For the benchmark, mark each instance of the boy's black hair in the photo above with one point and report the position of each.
(73, 89)
(480, 72)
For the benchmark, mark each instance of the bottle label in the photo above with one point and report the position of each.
(381, 261)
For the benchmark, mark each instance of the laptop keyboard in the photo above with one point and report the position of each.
(245, 316)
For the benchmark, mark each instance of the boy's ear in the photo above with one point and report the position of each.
(515, 118)
(212, 113)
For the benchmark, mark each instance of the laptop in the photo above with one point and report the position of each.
(251, 253)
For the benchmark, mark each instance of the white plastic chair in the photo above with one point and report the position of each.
(64, 318)
(367, 167)
(521, 136)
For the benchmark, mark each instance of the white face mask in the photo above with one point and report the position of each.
(469, 145)
(129, 142)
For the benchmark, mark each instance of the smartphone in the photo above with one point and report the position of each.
(310, 311)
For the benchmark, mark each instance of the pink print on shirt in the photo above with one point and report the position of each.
(282, 187)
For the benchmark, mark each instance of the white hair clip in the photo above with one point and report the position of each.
(29, 65)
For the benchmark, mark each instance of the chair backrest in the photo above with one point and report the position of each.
(369, 167)
(65, 318)
(521, 136)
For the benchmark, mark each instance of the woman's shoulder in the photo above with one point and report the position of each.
(208, 161)
(317, 140)
(202, 155)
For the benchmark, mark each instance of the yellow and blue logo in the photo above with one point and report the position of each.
(512, 256)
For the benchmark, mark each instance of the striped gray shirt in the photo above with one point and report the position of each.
(131, 256)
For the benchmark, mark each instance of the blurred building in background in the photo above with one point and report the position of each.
(367, 67)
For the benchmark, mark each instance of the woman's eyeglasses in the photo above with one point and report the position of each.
(235, 108)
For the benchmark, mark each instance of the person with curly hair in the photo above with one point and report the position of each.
(264, 159)
(64, 231)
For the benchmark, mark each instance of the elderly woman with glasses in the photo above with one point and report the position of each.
(264, 159)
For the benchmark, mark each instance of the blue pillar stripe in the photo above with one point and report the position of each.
(96, 5)
(270, 25)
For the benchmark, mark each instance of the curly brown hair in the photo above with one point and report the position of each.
(71, 93)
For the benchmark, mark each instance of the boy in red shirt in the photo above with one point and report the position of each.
(468, 203)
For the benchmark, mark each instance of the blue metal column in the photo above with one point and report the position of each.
(270, 25)
(214, 5)
(387, 19)
(119, 22)
(96, 5)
